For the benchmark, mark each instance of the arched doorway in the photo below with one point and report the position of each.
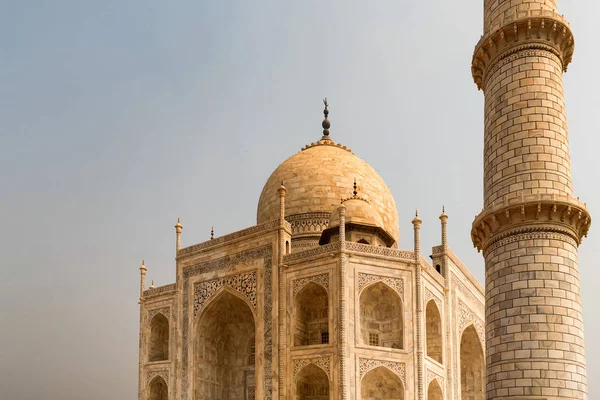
(158, 390)
(224, 359)
(381, 383)
(434, 331)
(158, 346)
(311, 316)
(434, 391)
(381, 322)
(312, 383)
(472, 366)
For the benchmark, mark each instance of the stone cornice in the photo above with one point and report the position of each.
(530, 213)
(532, 30)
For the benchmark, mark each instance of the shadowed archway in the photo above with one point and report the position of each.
(224, 359)
(434, 331)
(158, 390)
(158, 346)
(381, 322)
(472, 366)
(381, 383)
(312, 383)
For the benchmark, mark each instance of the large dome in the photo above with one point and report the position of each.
(317, 178)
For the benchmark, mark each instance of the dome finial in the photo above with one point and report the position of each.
(212, 232)
(355, 192)
(326, 125)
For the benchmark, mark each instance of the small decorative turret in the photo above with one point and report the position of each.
(444, 219)
(417, 233)
(152, 285)
(143, 270)
(178, 228)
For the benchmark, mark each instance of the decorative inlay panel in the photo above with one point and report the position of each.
(166, 311)
(225, 264)
(367, 364)
(160, 289)
(322, 362)
(242, 283)
(322, 280)
(395, 283)
(380, 250)
(153, 373)
(432, 375)
(301, 255)
(467, 317)
(430, 296)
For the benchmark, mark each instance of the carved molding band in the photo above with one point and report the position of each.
(530, 213)
(153, 373)
(159, 290)
(368, 364)
(517, 236)
(322, 362)
(317, 251)
(380, 250)
(309, 224)
(550, 33)
(395, 283)
(322, 280)
(166, 311)
(245, 284)
(467, 317)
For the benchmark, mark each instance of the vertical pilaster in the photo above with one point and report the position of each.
(419, 300)
(531, 225)
(281, 310)
(143, 270)
(344, 378)
(449, 343)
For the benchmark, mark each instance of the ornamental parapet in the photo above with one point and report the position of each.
(531, 29)
(524, 213)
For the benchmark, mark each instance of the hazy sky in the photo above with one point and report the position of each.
(116, 117)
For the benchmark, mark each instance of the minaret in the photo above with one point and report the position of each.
(531, 225)
(419, 300)
(178, 228)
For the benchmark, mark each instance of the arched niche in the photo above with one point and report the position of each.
(433, 321)
(157, 389)
(434, 391)
(224, 363)
(381, 383)
(472, 366)
(158, 345)
(311, 316)
(381, 317)
(312, 383)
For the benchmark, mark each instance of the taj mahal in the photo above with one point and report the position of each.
(316, 301)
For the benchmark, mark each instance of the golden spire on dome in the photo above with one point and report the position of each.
(326, 125)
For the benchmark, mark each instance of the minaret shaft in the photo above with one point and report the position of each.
(531, 226)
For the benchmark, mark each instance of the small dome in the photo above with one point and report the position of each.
(318, 177)
(358, 211)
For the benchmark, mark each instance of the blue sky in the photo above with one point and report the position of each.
(116, 117)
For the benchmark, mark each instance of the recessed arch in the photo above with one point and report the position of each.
(312, 383)
(381, 316)
(311, 316)
(158, 343)
(224, 363)
(434, 391)
(381, 383)
(433, 321)
(472, 365)
(158, 389)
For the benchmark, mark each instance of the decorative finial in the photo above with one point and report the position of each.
(326, 125)
(212, 232)
(443, 209)
(355, 192)
(152, 285)
(142, 262)
(416, 212)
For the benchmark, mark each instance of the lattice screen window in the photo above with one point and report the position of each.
(373, 339)
(324, 337)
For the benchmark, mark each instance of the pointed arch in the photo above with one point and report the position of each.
(381, 316)
(158, 343)
(158, 389)
(311, 315)
(224, 365)
(312, 383)
(433, 321)
(472, 365)
(434, 391)
(381, 383)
